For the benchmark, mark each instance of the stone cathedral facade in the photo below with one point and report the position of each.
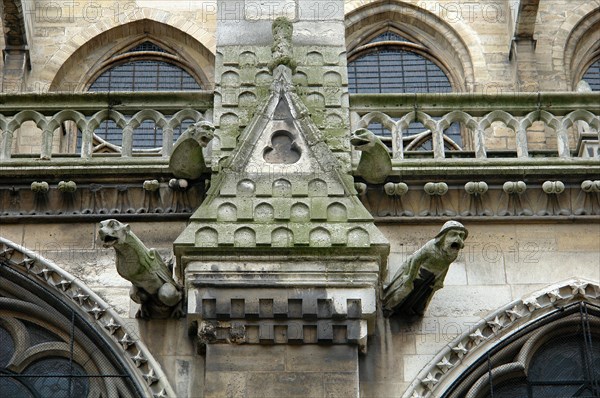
(300, 198)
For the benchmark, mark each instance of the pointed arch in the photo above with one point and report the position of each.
(577, 43)
(77, 327)
(430, 32)
(94, 53)
(501, 327)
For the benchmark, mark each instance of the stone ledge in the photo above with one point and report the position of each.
(476, 104)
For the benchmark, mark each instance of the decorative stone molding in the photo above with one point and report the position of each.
(436, 188)
(395, 189)
(438, 206)
(482, 199)
(267, 303)
(475, 206)
(67, 186)
(476, 188)
(588, 200)
(590, 186)
(40, 187)
(88, 124)
(490, 331)
(73, 292)
(553, 187)
(397, 118)
(555, 203)
(95, 200)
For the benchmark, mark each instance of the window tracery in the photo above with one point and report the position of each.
(560, 358)
(47, 353)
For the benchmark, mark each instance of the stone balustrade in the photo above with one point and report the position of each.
(40, 118)
(510, 125)
(520, 125)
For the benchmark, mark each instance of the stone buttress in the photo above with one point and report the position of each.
(281, 260)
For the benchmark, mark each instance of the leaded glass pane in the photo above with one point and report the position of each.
(389, 36)
(146, 136)
(512, 389)
(146, 46)
(145, 75)
(592, 76)
(7, 347)
(566, 391)
(558, 360)
(50, 378)
(13, 388)
(39, 335)
(396, 71)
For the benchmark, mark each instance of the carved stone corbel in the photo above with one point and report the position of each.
(554, 201)
(475, 205)
(437, 205)
(588, 199)
(392, 202)
(515, 201)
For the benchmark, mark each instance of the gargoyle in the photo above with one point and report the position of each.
(423, 273)
(375, 163)
(187, 159)
(153, 285)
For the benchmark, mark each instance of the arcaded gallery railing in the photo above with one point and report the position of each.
(482, 126)
(417, 126)
(452, 155)
(88, 124)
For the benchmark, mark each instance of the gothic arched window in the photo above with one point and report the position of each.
(144, 67)
(560, 358)
(48, 346)
(391, 63)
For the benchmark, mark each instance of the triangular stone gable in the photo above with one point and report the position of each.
(282, 187)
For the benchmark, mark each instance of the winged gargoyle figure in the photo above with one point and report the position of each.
(153, 284)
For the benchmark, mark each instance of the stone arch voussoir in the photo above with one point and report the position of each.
(105, 320)
(360, 15)
(581, 24)
(193, 35)
(494, 328)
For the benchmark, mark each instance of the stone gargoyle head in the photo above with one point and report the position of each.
(203, 132)
(363, 139)
(451, 239)
(113, 232)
